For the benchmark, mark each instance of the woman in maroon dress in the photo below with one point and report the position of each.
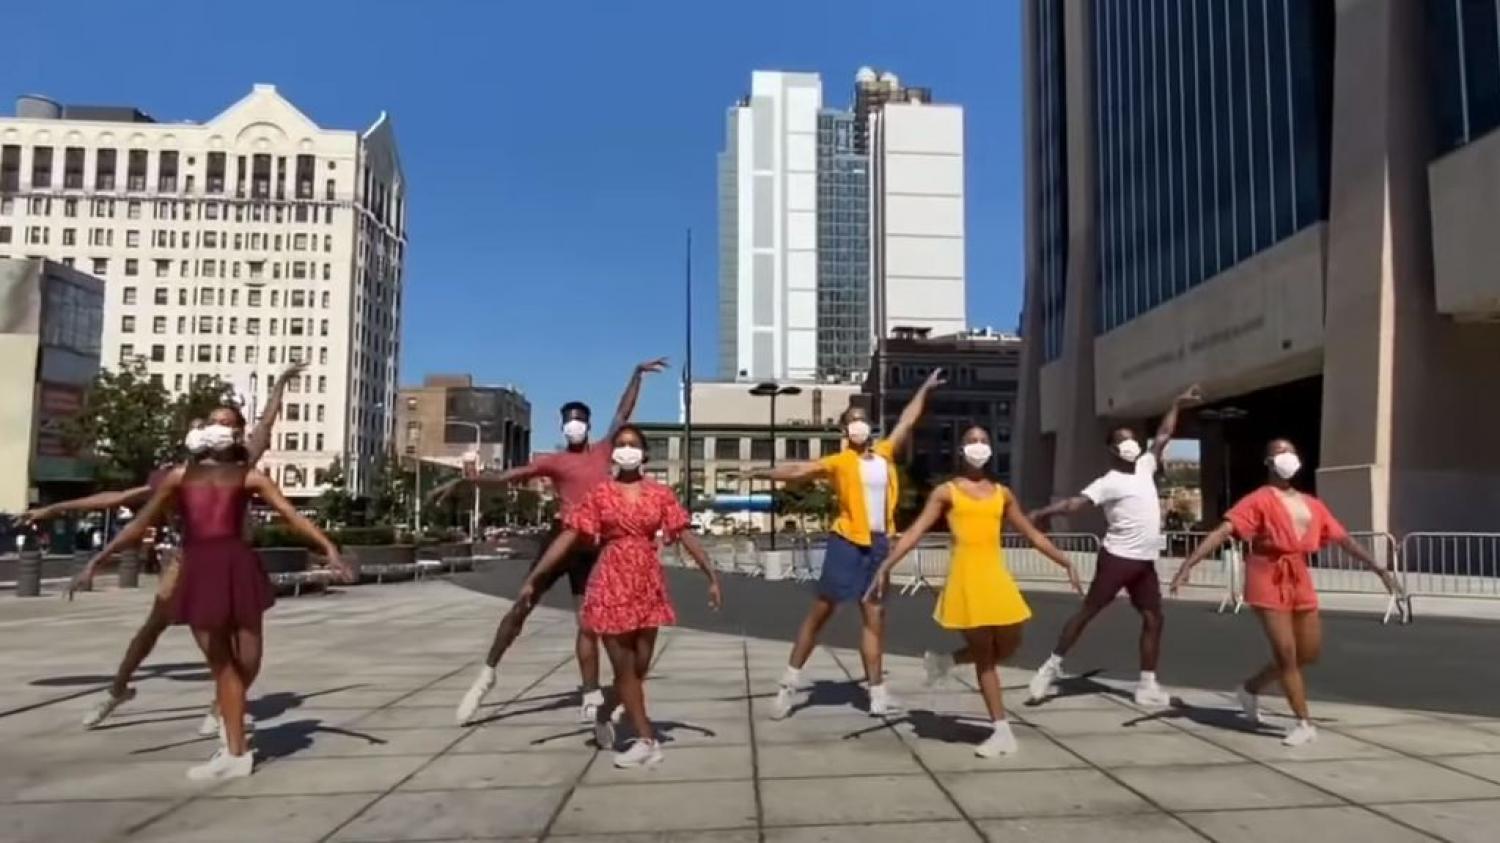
(223, 591)
(626, 600)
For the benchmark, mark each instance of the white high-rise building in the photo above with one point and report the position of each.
(916, 150)
(768, 177)
(231, 247)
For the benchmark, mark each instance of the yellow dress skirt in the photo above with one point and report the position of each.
(980, 590)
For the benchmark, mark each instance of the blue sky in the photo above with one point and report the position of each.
(556, 151)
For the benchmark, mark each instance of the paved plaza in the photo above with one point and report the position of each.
(357, 743)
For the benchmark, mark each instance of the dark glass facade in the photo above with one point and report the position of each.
(843, 249)
(1211, 122)
(1465, 54)
(1051, 140)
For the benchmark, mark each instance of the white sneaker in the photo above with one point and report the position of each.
(1152, 696)
(786, 697)
(882, 703)
(1249, 704)
(938, 665)
(223, 766)
(642, 753)
(592, 702)
(1302, 734)
(105, 707)
(1002, 741)
(209, 726)
(469, 706)
(1041, 684)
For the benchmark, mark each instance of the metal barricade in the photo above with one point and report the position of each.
(1451, 564)
(1335, 570)
(1227, 574)
(1027, 564)
(926, 566)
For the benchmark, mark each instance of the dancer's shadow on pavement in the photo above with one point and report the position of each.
(279, 741)
(175, 671)
(265, 707)
(1080, 685)
(550, 702)
(1224, 719)
(825, 693)
(934, 726)
(665, 729)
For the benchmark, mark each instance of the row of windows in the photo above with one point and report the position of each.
(170, 174)
(292, 327)
(1465, 53)
(1051, 142)
(218, 297)
(207, 353)
(732, 448)
(166, 209)
(1211, 123)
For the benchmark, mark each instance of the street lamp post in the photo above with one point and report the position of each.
(478, 443)
(770, 389)
(411, 406)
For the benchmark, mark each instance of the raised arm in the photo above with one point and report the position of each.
(1210, 543)
(1168, 427)
(165, 493)
(132, 498)
(270, 493)
(913, 411)
(260, 438)
(626, 409)
(937, 503)
(1017, 519)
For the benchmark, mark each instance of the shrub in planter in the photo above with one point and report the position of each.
(363, 536)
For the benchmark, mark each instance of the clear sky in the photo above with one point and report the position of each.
(556, 151)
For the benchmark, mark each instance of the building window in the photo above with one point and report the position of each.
(101, 266)
(727, 448)
(760, 449)
(798, 449)
(132, 267)
(158, 354)
(127, 353)
(127, 324)
(4, 234)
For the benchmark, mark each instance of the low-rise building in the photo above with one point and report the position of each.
(448, 416)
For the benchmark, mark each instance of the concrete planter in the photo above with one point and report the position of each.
(381, 562)
(29, 574)
(447, 550)
(130, 569)
(283, 560)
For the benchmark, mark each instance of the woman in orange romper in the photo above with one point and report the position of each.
(1282, 526)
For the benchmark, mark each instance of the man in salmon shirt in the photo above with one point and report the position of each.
(1282, 526)
(574, 472)
(863, 477)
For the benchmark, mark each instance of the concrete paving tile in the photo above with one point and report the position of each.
(1147, 750)
(1483, 766)
(285, 819)
(1040, 793)
(1110, 828)
(1431, 738)
(735, 836)
(951, 750)
(1093, 722)
(927, 832)
(1390, 780)
(112, 780)
(355, 742)
(50, 822)
(1220, 788)
(294, 776)
(859, 799)
(1457, 822)
(1267, 746)
(561, 737)
(1333, 823)
(870, 756)
(437, 815)
(508, 769)
(682, 764)
(649, 806)
(800, 729)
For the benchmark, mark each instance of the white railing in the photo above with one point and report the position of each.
(1451, 564)
(1226, 574)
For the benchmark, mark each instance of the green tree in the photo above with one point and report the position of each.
(335, 504)
(133, 425)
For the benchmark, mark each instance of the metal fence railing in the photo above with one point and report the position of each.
(1451, 564)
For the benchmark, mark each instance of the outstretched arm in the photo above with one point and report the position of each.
(441, 492)
(913, 411)
(1210, 543)
(1168, 427)
(793, 472)
(260, 438)
(1358, 551)
(1017, 519)
(550, 559)
(937, 503)
(95, 502)
(166, 491)
(632, 393)
(1066, 505)
(268, 491)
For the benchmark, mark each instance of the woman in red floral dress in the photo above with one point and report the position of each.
(627, 597)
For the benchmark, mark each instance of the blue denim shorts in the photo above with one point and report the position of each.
(848, 568)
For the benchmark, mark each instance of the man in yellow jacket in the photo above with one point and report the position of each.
(863, 477)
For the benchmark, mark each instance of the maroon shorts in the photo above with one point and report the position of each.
(1136, 576)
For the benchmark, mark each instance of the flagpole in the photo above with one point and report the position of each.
(687, 380)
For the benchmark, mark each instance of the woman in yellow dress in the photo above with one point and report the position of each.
(979, 599)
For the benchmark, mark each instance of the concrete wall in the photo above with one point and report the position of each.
(921, 215)
(1465, 187)
(732, 403)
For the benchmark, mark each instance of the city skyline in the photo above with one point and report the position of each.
(500, 195)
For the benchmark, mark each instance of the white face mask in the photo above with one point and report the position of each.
(858, 432)
(1286, 465)
(217, 437)
(575, 431)
(628, 458)
(194, 441)
(977, 454)
(1129, 450)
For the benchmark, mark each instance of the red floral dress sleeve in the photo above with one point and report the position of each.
(584, 516)
(674, 518)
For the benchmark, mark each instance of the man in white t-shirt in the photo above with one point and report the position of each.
(1127, 561)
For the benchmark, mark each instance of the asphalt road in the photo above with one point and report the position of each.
(1436, 664)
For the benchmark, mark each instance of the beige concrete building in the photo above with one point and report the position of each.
(437, 422)
(816, 405)
(1292, 204)
(51, 321)
(230, 247)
